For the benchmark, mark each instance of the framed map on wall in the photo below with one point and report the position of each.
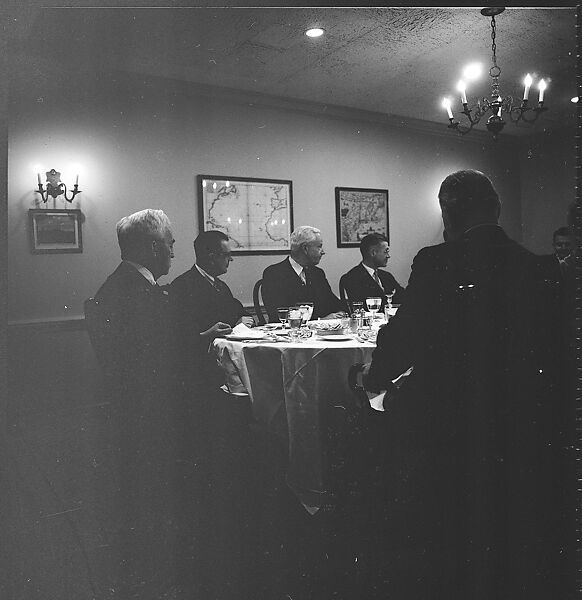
(256, 214)
(359, 212)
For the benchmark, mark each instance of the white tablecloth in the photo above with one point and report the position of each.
(289, 384)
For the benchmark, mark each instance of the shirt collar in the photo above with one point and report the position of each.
(369, 269)
(296, 266)
(481, 225)
(205, 274)
(143, 270)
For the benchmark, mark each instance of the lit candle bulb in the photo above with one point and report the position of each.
(447, 106)
(499, 111)
(541, 87)
(528, 81)
(462, 87)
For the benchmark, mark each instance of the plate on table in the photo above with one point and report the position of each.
(268, 326)
(331, 332)
(336, 338)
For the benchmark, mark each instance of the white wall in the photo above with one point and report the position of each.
(142, 142)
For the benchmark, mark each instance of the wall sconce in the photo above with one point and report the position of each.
(55, 188)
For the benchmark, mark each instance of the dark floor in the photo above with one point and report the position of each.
(260, 543)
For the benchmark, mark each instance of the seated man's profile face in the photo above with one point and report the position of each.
(313, 250)
(165, 252)
(380, 254)
(221, 258)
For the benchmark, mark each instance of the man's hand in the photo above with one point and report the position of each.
(217, 330)
(246, 320)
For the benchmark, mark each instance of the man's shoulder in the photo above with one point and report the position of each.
(354, 271)
(186, 278)
(276, 267)
(317, 273)
(434, 253)
(124, 290)
(123, 279)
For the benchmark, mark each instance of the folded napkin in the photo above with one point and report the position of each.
(241, 330)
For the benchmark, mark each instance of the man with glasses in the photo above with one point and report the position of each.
(369, 279)
(205, 308)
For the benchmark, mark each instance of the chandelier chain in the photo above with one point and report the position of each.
(493, 44)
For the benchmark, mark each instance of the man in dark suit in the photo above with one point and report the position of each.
(297, 278)
(368, 279)
(478, 423)
(555, 265)
(133, 338)
(204, 309)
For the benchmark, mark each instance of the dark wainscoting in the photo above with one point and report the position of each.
(51, 366)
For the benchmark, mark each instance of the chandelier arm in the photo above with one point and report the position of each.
(459, 128)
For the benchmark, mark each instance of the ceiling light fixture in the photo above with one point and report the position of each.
(314, 32)
(497, 105)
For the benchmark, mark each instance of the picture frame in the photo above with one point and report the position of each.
(256, 214)
(55, 231)
(359, 212)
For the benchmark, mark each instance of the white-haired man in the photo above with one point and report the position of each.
(297, 278)
(131, 330)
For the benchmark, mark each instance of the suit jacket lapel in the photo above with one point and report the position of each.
(371, 279)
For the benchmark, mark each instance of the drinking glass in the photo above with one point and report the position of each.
(388, 305)
(295, 320)
(283, 314)
(306, 311)
(373, 305)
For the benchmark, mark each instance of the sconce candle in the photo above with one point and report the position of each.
(77, 180)
(541, 87)
(528, 81)
(38, 177)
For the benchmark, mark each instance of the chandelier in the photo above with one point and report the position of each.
(496, 106)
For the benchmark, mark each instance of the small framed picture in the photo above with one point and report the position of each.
(56, 231)
(256, 214)
(359, 212)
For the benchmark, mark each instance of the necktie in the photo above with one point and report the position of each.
(377, 280)
(214, 283)
(303, 276)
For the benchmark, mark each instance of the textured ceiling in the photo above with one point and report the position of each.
(395, 61)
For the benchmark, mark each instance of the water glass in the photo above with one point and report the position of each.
(355, 323)
(295, 320)
(306, 311)
(373, 306)
(283, 314)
